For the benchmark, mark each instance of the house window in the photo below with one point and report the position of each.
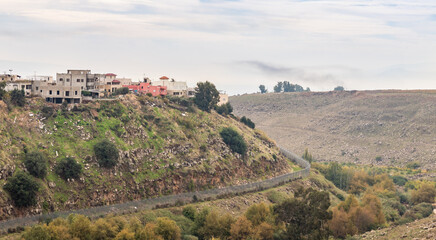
(57, 92)
(78, 80)
(67, 93)
(28, 86)
(41, 91)
(36, 88)
(68, 79)
(82, 80)
(61, 79)
(75, 92)
(50, 92)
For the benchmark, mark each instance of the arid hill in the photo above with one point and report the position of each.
(369, 127)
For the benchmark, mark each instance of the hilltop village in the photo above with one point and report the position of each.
(76, 86)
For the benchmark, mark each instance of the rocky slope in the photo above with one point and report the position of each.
(369, 127)
(164, 148)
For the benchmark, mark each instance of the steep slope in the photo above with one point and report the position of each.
(372, 127)
(164, 147)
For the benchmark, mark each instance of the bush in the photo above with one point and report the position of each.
(426, 193)
(234, 140)
(68, 168)
(189, 212)
(106, 153)
(36, 164)
(17, 98)
(86, 93)
(22, 189)
(47, 111)
(224, 109)
(121, 91)
(419, 211)
(248, 122)
(399, 180)
(338, 88)
(413, 165)
(168, 229)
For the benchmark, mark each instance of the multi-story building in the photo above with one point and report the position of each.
(174, 88)
(14, 82)
(146, 87)
(224, 98)
(58, 91)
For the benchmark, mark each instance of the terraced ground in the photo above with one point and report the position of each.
(364, 127)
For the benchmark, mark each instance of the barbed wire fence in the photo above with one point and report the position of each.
(10, 225)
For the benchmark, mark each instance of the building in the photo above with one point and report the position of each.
(20, 84)
(146, 87)
(14, 82)
(224, 98)
(111, 83)
(174, 88)
(58, 91)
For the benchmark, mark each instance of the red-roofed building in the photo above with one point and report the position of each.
(146, 87)
(164, 78)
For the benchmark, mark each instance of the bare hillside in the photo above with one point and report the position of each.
(371, 127)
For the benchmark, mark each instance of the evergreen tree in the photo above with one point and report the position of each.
(263, 89)
(206, 96)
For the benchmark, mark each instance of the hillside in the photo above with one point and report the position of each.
(363, 127)
(165, 147)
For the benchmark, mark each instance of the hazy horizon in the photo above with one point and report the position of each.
(238, 45)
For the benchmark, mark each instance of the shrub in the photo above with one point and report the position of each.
(106, 153)
(121, 91)
(86, 93)
(22, 189)
(426, 193)
(224, 109)
(47, 111)
(36, 164)
(248, 122)
(17, 98)
(168, 229)
(68, 168)
(36, 233)
(189, 212)
(413, 165)
(338, 88)
(419, 211)
(234, 140)
(378, 158)
(399, 180)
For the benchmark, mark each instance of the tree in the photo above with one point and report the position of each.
(248, 122)
(278, 88)
(38, 232)
(234, 140)
(80, 227)
(17, 98)
(206, 96)
(168, 229)
(216, 225)
(305, 215)
(68, 168)
(2, 90)
(288, 87)
(22, 189)
(258, 213)
(106, 153)
(338, 88)
(125, 234)
(242, 229)
(425, 194)
(36, 164)
(263, 89)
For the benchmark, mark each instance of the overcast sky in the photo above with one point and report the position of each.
(238, 45)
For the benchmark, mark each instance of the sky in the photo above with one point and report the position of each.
(236, 44)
